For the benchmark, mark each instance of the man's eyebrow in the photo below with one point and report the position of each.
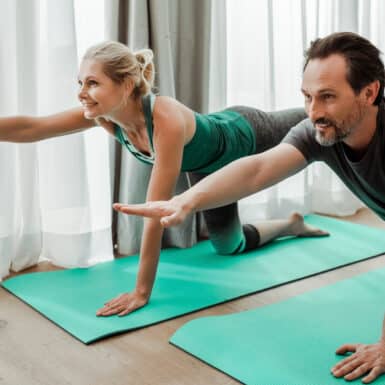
(321, 91)
(324, 90)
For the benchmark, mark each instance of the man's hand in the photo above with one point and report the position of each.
(123, 304)
(366, 359)
(170, 213)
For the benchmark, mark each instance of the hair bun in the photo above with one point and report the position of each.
(145, 59)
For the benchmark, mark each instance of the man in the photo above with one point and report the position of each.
(343, 86)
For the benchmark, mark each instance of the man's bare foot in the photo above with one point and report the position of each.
(301, 229)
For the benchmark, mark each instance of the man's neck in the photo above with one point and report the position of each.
(358, 141)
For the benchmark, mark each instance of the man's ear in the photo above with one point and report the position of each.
(371, 91)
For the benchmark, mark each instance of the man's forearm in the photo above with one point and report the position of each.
(243, 177)
(236, 180)
(226, 185)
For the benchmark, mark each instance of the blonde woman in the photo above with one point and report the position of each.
(115, 92)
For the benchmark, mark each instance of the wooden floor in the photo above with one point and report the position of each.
(33, 351)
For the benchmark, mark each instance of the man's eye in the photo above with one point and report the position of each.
(328, 96)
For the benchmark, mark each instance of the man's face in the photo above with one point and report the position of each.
(333, 107)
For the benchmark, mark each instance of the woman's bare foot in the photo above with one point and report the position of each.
(301, 229)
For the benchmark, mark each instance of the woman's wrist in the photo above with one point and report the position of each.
(143, 291)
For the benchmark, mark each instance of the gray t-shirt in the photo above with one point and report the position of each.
(366, 177)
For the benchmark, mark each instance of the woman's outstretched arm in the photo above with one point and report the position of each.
(24, 129)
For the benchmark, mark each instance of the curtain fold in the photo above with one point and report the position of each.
(20, 237)
(180, 34)
(56, 201)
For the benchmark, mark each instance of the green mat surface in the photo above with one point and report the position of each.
(189, 279)
(291, 342)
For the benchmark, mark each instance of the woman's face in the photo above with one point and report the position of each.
(98, 94)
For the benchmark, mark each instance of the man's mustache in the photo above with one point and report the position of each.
(324, 122)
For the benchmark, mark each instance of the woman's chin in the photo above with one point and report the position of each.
(90, 115)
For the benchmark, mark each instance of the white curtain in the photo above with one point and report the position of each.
(265, 58)
(55, 199)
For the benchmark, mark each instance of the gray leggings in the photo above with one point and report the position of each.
(226, 233)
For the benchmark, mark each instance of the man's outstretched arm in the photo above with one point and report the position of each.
(239, 179)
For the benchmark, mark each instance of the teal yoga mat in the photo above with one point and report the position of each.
(189, 279)
(291, 342)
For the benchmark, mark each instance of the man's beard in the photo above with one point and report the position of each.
(335, 133)
(340, 131)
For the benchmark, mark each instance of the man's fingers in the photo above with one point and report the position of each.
(358, 372)
(374, 373)
(149, 210)
(140, 209)
(343, 363)
(174, 219)
(348, 367)
(347, 348)
(170, 220)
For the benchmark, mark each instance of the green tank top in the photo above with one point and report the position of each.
(219, 139)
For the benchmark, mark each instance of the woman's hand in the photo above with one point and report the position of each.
(123, 304)
(366, 359)
(170, 213)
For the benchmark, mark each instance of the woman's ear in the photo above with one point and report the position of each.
(129, 86)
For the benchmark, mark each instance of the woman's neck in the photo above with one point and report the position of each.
(129, 116)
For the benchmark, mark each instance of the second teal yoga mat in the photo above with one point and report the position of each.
(291, 342)
(189, 279)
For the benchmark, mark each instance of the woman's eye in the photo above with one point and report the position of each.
(92, 83)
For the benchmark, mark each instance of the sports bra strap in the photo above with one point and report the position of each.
(148, 102)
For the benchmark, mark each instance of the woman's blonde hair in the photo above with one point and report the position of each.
(120, 63)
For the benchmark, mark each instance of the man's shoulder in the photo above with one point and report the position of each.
(302, 136)
(304, 129)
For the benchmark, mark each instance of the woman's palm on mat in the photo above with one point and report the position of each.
(123, 304)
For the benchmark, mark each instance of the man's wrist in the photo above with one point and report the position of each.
(191, 201)
(185, 203)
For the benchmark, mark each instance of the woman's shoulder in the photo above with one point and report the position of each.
(167, 110)
(165, 102)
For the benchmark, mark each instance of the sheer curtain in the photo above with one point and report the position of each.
(55, 197)
(265, 58)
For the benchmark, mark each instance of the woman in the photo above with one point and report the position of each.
(115, 92)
